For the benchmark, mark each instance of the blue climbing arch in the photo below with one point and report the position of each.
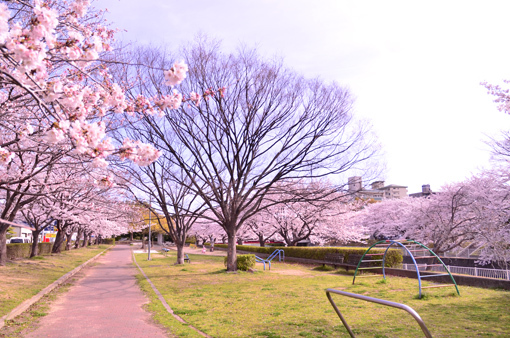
(416, 251)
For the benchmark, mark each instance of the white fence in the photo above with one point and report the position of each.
(463, 270)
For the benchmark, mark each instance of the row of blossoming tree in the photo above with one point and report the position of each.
(70, 107)
(474, 211)
(57, 103)
(293, 212)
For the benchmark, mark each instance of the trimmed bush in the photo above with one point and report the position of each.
(109, 241)
(393, 257)
(22, 250)
(45, 248)
(18, 250)
(244, 262)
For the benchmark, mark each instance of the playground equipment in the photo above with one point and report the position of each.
(413, 248)
(404, 307)
(264, 261)
(278, 252)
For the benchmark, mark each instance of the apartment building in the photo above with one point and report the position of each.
(378, 190)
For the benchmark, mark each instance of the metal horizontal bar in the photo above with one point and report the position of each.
(364, 276)
(404, 307)
(415, 257)
(376, 254)
(442, 274)
(436, 286)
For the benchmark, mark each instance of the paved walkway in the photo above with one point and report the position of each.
(106, 302)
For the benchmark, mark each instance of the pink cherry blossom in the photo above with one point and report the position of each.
(5, 156)
(176, 74)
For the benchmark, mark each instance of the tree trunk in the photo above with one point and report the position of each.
(85, 239)
(3, 245)
(232, 253)
(131, 236)
(59, 239)
(69, 238)
(262, 242)
(180, 253)
(78, 236)
(35, 241)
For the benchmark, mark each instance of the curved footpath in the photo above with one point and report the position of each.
(106, 302)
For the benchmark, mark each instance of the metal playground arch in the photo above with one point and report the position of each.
(411, 247)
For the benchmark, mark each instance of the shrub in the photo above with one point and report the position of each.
(244, 262)
(22, 250)
(45, 248)
(109, 241)
(18, 250)
(393, 257)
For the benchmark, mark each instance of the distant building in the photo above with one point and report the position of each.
(378, 192)
(425, 191)
(22, 230)
(355, 184)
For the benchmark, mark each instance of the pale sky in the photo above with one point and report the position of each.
(414, 67)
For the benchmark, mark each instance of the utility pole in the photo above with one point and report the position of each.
(150, 226)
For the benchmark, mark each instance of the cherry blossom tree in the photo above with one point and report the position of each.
(313, 211)
(475, 210)
(261, 226)
(57, 97)
(443, 221)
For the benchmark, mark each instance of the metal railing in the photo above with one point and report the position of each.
(468, 252)
(464, 270)
(464, 253)
(264, 261)
(404, 307)
(278, 252)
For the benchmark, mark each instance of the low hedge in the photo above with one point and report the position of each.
(393, 258)
(244, 262)
(191, 239)
(22, 250)
(45, 248)
(109, 241)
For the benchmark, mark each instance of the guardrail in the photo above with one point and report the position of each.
(404, 307)
(464, 270)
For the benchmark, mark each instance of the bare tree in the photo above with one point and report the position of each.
(258, 124)
(163, 182)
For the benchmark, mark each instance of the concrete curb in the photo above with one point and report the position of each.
(163, 301)
(29, 302)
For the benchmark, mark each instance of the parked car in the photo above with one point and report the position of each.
(19, 240)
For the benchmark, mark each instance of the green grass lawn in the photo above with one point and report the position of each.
(290, 301)
(24, 278)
